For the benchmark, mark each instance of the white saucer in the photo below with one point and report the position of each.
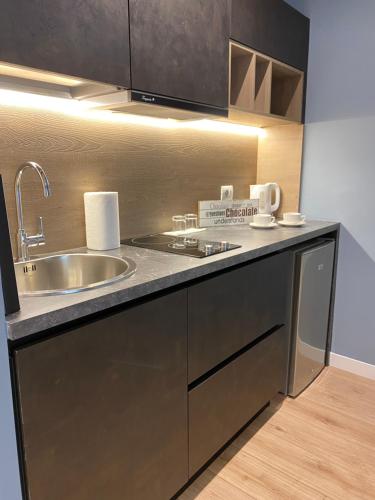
(291, 224)
(263, 226)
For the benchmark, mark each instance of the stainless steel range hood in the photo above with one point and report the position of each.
(141, 103)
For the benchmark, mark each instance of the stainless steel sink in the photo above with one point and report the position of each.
(70, 273)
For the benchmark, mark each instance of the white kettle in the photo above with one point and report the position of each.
(263, 192)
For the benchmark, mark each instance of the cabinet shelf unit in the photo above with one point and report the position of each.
(263, 91)
(286, 91)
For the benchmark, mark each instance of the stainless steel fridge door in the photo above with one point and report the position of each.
(312, 296)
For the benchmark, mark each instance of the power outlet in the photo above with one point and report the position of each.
(226, 193)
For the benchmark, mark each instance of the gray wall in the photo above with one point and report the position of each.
(10, 488)
(338, 181)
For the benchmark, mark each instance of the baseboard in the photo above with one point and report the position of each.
(352, 365)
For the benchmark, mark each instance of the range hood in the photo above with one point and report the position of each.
(141, 103)
(103, 96)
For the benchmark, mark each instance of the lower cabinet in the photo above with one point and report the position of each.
(104, 406)
(107, 411)
(226, 401)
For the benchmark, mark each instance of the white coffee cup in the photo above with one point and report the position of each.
(293, 217)
(263, 219)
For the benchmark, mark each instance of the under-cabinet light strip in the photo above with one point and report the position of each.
(83, 109)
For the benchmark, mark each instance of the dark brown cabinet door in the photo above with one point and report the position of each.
(272, 27)
(231, 310)
(104, 407)
(227, 400)
(87, 38)
(180, 49)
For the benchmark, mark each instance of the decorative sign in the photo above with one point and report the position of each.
(227, 212)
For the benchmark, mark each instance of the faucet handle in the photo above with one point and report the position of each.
(37, 239)
(41, 227)
(40, 237)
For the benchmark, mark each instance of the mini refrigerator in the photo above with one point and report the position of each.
(313, 274)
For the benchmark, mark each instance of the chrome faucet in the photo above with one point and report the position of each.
(23, 239)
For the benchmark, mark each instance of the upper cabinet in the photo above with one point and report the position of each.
(180, 49)
(82, 39)
(272, 27)
(196, 56)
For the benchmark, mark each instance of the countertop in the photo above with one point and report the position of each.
(157, 271)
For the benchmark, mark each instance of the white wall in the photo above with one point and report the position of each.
(10, 488)
(338, 181)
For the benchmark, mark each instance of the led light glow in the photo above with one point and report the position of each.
(37, 75)
(42, 102)
(223, 127)
(84, 109)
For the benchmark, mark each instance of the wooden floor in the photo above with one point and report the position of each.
(319, 445)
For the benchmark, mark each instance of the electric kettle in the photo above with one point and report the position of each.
(263, 193)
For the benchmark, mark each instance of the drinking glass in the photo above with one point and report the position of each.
(191, 221)
(191, 226)
(179, 224)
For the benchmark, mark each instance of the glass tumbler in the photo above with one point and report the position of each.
(191, 221)
(179, 224)
(191, 226)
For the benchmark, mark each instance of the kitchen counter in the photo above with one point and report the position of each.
(157, 271)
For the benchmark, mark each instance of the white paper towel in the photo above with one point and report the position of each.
(102, 220)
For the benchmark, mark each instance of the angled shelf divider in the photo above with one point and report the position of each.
(263, 92)
(242, 77)
(262, 85)
(286, 91)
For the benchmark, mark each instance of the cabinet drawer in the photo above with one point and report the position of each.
(227, 312)
(222, 404)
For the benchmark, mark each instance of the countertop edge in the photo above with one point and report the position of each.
(39, 323)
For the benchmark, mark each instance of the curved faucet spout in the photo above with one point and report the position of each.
(25, 241)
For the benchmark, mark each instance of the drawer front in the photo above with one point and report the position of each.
(227, 312)
(222, 404)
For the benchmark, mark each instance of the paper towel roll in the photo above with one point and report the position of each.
(102, 220)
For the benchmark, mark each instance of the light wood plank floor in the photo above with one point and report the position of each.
(320, 445)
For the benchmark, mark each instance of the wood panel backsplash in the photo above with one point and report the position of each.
(157, 172)
(279, 160)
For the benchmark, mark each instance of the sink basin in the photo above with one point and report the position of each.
(70, 273)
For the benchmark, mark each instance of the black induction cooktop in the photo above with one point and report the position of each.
(187, 245)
